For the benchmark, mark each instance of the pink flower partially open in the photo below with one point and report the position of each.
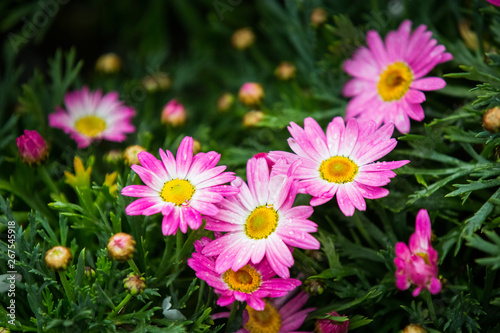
(260, 222)
(417, 264)
(91, 116)
(342, 162)
(180, 188)
(389, 77)
(249, 284)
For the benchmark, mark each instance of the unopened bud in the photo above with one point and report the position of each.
(285, 71)
(121, 247)
(32, 147)
(331, 326)
(89, 272)
(157, 81)
(108, 63)
(130, 154)
(314, 287)
(251, 93)
(414, 328)
(173, 114)
(243, 38)
(491, 120)
(225, 102)
(252, 118)
(196, 146)
(318, 17)
(134, 283)
(58, 258)
(113, 156)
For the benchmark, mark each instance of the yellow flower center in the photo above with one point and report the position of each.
(246, 279)
(177, 191)
(262, 222)
(395, 81)
(338, 169)
(425, 256)
(90, 125)
(265, 321)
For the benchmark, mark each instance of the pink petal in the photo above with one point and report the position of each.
(184, 157)
(428, 83)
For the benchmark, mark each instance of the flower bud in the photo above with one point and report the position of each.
(58, 258)
(121, 247)
(318, 17)
(469, 37)
(252, 118)
(108, 63)
(130, 154)
(331, 326)
(32, 147)
(225, 102)
(314, 287)
(196, 146)
(134, 283)
(251, 93)
(89, 272)
(113, 156)
(491, 120)
(285, 71)
(157, 81)
(173, 114)
(243, 38)
(414, 328)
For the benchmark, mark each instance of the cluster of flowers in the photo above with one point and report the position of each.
(255, 224)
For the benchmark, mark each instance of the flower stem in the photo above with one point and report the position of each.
(67, 287)
(134, 266)
(44, 174)
(119, 307)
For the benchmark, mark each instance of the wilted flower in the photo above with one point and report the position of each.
(108, 63)
(58, 258)
(389, 77)
(173, 113)
(417, 264)
(318, 16)
(121, 247)
(32, 147)
(491, 119)
(157, 81)
(81, 177)
(285, 71)
(251, 93)
(331, 326)
(134, 284)
(252, 118)
(92, 117)
(225, 102)
(243, 38)
(130, 154)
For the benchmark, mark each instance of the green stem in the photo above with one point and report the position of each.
(44, 174)
(119, 307)
(134, 266)
(178, 248)
(67, 287)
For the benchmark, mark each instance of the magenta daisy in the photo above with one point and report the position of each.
(92, 116)
(249, 284)
(181, 189)
(261, 222)
(389, 77)
(417, 265)
(342, 162)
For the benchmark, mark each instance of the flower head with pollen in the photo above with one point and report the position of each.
(90, 116)
(389, 77)
(260, 222)
(180, 188)
(249, 284)
(417, 265)
(342, 162)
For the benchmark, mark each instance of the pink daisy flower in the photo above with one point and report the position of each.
(181, 189)
(494, 2)
(249, 284)
(261, 222)
(389, 77)
(92, 117)
(276, 316)
(417, 265)
(342, 162)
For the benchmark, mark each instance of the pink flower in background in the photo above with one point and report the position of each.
(331, 326)
(342, 162)
(91, 116)
(249, 284)
(494, 2)
(389, 77)
(32, 147)
(174, 113)
(180, 188)
(417, 264)
(251, 93)
(260, 222)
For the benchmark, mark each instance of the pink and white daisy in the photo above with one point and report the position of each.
(249, 284)
(91, 116)
(389, 77)
(276, 316)
(417, 265)
(181, 189)
(260, 222)
(342, 162)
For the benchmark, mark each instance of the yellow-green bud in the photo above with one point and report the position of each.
(58, 258)
(121, 247)
(134, 283)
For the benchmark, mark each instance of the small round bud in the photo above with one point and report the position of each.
(251, 93)
(134, 283)
(491, 120)
(89, 272)
(130, 154)
(173, 114)
(108, 63)
(243, 38)
(113, 156)
(196, 146)
(58, 258)
(32, 147)
(285, 71)
(414, 328)
(121, 247)
(331, 326)
(157, 81)
(314, 287)
(318, 17)
(225, 102)
(252, 118)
